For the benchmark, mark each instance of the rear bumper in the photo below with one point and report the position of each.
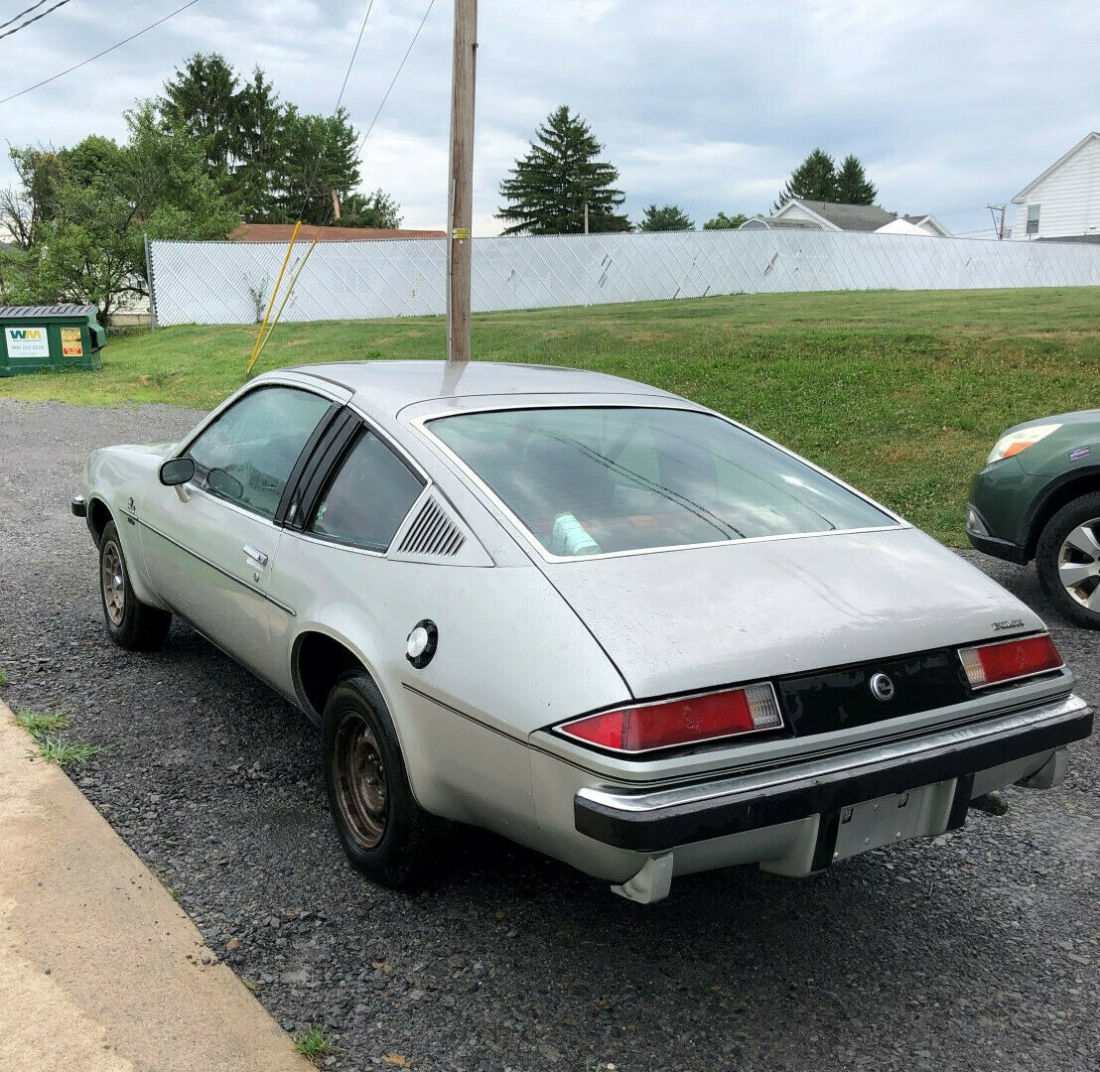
(660, 820)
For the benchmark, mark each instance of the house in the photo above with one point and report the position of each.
(1064, 201)
(281, 232)
(825, 216)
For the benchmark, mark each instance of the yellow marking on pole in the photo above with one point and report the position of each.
(286, 298)
(459, 233)
(270, 304)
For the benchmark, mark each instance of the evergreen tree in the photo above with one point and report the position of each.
(666, 218)
(722, 222)
(548, 188)
(852, 184)
(813, 180)
(274, 163)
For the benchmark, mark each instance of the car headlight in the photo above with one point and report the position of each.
(1014, 442)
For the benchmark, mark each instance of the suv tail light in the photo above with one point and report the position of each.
(1009, 660)
(690, 720)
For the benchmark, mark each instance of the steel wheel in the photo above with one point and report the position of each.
(359, 781)
(112, 578)
(1079, 564)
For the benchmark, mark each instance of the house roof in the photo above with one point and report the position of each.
(844, 217)
(935, 224)
(1019, 198)
(281, 232)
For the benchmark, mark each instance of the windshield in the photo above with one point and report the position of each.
(589, 481)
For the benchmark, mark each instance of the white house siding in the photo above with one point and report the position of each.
(1068, 198)
(793, 211)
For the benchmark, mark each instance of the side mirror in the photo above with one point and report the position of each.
(177, 471)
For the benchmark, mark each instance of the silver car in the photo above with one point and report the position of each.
(587, 614)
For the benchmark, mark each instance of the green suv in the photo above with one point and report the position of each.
(1038, 497)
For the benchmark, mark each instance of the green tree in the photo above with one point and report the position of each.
(371, 210)
(666, 218)
(274, 163)
(317, 168)
(852, 185)
(813, 180)
(548, 189)
(722, 222)
(99, 199)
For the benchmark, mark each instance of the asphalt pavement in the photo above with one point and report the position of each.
(977, 951)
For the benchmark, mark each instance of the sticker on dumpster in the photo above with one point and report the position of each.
(27, 342)
(71, 344)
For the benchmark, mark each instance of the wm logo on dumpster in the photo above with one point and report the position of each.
(19, 334)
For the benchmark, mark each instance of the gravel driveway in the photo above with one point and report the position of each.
(977, 951)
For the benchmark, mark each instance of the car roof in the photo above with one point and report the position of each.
(384, 388)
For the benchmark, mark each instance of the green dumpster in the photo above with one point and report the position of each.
(34, 337)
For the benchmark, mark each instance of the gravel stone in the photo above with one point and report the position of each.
(979, 950)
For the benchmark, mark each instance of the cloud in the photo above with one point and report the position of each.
(709, 105)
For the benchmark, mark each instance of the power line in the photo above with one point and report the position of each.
(25, 11)
(401, 67)
(355, 52)
(84, 63)
(23, 26)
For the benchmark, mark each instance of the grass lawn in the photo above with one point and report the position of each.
(900, 393)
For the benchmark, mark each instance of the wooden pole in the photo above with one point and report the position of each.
(460, 209)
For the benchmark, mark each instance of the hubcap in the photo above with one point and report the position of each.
(359, 777)
(1079, 565)
(113, 582)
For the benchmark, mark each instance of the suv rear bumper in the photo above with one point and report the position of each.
(659, 820)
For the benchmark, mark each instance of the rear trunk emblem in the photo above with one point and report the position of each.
(882, 688)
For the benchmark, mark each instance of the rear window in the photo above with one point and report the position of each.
(589, 481)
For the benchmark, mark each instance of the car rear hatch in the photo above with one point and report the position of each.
(697, 618)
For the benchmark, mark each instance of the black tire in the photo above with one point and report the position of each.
(131, 624)
(387, 836)
(1064, 545)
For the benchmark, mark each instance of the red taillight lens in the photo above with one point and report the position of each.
(685, 721)
(993, 663)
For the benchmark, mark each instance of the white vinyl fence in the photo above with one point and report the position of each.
(230, 282)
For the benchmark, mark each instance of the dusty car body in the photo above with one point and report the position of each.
(697, 650)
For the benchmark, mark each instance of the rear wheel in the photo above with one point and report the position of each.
(385, 833)
(1068, 561)
(131, 624)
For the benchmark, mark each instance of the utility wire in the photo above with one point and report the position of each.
(355, 52)
(23, 26)
(400, 68)
(25, 11)
(84, 63)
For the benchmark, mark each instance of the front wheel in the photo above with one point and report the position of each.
(1068, 561)
(387, 836)
(131, 624)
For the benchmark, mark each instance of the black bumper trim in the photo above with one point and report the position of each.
(78, 506)
(998, 548)
(665, 828)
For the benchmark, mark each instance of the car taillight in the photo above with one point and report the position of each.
(645, 727)
(990, 664)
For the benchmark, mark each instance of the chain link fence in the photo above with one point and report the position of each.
(230, 282)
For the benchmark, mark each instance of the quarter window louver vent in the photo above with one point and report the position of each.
(432, 533)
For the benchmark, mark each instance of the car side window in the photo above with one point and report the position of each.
(369, 496)
(247, 454)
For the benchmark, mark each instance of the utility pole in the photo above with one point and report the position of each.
(460, 209)
(998, 214)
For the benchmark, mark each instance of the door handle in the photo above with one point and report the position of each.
(257, 556)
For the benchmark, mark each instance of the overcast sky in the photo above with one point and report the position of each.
(708, 104)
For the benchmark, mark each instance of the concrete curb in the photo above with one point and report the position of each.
(99, 967)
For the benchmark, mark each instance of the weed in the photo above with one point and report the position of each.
(41, 723)
(3, 677)
(66, 753)
(313, 1044)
